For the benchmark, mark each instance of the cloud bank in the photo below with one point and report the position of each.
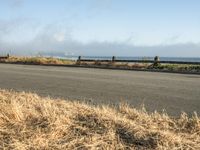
(55, 45)
(23, 36)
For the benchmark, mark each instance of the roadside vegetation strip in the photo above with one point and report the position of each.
(28, 121)
(178, 68)
(38, 60)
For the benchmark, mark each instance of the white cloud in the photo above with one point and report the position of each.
(60, 37)
(46, 44)
(57, 39)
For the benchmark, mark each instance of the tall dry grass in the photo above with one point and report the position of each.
(39, 60)
(28, 121)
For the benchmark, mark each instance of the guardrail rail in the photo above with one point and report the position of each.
(155, 61)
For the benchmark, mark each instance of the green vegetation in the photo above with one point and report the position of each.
(142, 66)
(178, 67)
(28, 121)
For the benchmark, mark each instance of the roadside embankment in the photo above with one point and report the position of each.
(28, 121)
(176, 68)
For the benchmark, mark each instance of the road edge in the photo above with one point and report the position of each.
(108, 68)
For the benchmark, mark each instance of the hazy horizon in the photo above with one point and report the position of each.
(100, 27)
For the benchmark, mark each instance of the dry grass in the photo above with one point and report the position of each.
(142, 66)
(165, 67)
(116, 65)
(39, 60)
(28, 121)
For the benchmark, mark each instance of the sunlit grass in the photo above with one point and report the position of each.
(39, 60)
(28, 121)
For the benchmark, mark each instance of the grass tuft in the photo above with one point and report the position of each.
(28, 121)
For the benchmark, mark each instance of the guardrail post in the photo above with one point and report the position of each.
(79, 60)
(113, 59)
(156, 60)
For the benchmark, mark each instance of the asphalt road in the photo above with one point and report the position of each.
(157, 91)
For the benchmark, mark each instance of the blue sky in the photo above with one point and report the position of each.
(101, 27)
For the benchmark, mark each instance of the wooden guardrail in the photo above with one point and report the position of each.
(155, 61)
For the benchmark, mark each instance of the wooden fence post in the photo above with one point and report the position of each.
(79, 60)
(113, 59)
(156, 61)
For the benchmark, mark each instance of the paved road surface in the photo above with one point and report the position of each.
(172, 92)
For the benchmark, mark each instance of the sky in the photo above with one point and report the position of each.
(169, 28)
